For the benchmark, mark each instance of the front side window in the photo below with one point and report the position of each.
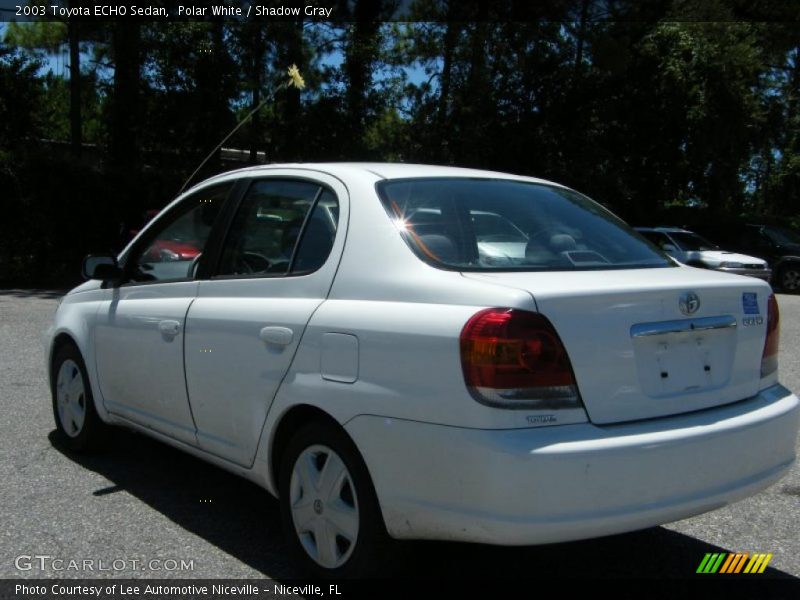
(178, 240)
(282, 227)
(493, 224)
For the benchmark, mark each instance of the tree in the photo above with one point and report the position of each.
(360, 55)
(47, 38)
(125, 103)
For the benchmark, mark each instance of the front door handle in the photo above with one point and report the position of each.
(281, 336)
(169, 327)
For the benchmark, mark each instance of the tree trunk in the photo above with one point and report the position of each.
(76, 140)
(443, 110)
(293, 108)
(125, 107)
(218, 100)
(475, 110)
(358, 62)
(581, 34)
(256, 69)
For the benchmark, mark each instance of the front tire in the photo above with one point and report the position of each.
(329, 509)
(77, 422)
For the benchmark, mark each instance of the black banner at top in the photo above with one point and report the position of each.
(400, 10)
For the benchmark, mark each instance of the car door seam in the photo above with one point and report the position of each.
(183, 360)
(280, 383)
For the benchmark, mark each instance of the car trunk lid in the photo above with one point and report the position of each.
(635, 353)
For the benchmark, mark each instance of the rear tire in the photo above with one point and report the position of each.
(329, 509)
(78, 425)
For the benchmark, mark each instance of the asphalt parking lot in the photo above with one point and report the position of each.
(143, 501)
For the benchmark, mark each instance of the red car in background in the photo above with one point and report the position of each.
(167, 250)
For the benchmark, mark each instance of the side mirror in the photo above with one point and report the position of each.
(668, 248)
(101, 267)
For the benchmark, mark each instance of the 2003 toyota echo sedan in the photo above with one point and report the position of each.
(406, 351)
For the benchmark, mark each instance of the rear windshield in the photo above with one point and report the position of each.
(500, 225)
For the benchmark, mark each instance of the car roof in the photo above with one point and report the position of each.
(375, 170)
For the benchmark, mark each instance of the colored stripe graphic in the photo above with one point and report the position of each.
(755, 562)
(758, 563)
(711, 562)
(734, 560)
(727, 564)
(718, 562)
(723, 562)
(738, 559)
(765, 562)
(702, 567)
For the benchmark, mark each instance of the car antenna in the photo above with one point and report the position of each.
(295, 80)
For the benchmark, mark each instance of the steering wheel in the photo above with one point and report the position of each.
(252, 262)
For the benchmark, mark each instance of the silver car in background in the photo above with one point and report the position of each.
(696, 251)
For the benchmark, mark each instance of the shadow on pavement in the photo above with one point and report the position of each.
(33, 293)
(243, 520)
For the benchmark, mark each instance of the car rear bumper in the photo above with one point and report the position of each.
(551, 484)
(764, 274)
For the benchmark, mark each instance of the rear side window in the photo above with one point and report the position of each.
(493, 224)
(281, 227)
(316, 240)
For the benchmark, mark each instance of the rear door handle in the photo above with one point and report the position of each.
(281, 336)
(169, 327)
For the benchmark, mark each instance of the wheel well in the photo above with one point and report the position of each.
(295, 418)
(62, 339)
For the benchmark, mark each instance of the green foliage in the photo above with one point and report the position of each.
(649, 107)
(38, 36)
(22, 92)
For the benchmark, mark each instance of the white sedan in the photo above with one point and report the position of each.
(695, 251)
(338, 334)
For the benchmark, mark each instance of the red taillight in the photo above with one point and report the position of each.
(769, 359)
(515, 359)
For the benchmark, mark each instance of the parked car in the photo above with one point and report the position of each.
(176, 249)
(779, 246)
(696, 251)
(388, 382)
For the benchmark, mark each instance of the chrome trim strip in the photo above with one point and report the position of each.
(682, 326)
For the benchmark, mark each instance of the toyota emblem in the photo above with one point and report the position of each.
(689, 303)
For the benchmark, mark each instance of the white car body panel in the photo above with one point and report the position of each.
(139, 366)
(554, 484)
(374, 344)
(232, 374)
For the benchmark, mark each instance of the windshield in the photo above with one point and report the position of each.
(779, 235)
(691, 241)
(493, 224)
